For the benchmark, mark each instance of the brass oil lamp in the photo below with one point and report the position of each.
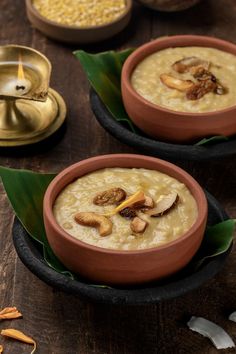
(30, 111)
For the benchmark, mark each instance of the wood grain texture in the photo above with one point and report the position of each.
(63, 324)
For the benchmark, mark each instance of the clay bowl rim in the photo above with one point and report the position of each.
(36, 13)
(128, 69)
(47, 205)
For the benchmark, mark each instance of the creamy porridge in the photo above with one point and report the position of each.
(142, 208)
(206, 83)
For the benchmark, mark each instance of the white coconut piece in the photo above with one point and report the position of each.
(215, 333)
(232, 317)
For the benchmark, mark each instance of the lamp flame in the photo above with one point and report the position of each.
(18, 85)
(20, 75)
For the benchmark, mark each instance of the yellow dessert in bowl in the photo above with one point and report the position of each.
(151, 75)
(136, 227)
(108, 218)
(181, 88)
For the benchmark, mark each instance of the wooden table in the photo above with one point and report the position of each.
(64, 324)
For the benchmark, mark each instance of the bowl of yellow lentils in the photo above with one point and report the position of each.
(79, 21)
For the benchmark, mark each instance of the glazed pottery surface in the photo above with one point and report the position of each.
(123, 267)
(163, 123)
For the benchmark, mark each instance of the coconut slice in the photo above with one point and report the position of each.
(164, 205)
(215, 333)
(232, 317)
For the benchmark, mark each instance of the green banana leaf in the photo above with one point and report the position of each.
(26, 189)
(217, 240)
(212, 140)
(104, 74)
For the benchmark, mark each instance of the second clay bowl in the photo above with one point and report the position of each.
(163, 123)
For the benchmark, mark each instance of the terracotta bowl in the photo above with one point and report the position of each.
(123, 267)
(166, 124)
(75, 34)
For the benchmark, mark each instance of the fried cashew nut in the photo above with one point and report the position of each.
(175, 83)
(149, 203)
(100, 222)
(138, 225)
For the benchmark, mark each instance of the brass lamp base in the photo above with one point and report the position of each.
(24, 122)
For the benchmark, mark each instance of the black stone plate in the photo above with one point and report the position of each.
(147, 145)
(186, 280)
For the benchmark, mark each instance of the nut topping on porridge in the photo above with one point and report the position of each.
(160, 78)
(127, 224)
(109, 197)
(148, 204)
(138, 197)
(184, 65)
(210, 83)
(138, 225)
(200, 73)
(128, 213)
(200, 89)
(103, 224)
(164, 205)
(175, 83)
(130, 209)
(206, 81)
(199, 69)
(143, 205)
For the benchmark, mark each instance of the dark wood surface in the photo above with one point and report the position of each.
(63, 324)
